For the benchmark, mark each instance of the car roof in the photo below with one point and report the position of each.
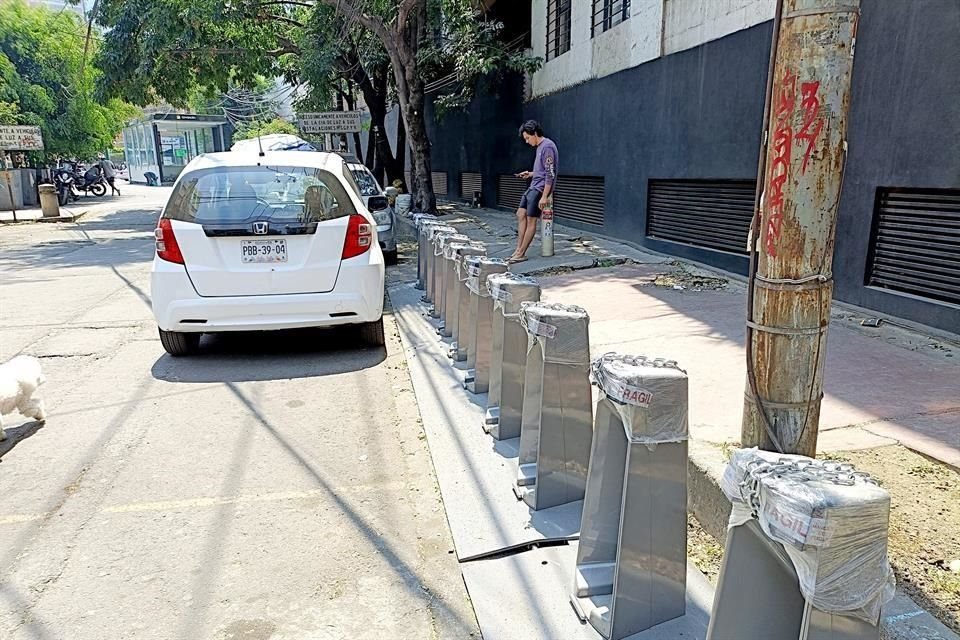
(313, 159)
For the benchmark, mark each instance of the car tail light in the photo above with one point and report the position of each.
(167, 247)
(359, 237)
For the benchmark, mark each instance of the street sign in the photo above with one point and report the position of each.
(20, 138)
(330, 122)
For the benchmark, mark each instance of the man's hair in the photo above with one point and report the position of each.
(531, 127)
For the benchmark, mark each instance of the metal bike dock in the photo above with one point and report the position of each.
(453, 255)
(421, 223)
(508, 355)
(556, 427)
(809, 537)
(465, 323)
(440, 270)
(430, 264)
(480, 340)
(632, 558)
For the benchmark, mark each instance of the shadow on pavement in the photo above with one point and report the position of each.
(17, 434)
(130, 241)
(271, 355)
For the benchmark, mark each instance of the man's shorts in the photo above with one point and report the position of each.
(530, 202)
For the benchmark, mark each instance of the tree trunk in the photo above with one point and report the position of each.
(351, 105)
(410, 92)
(374, 88)
(422, 187)
(369, 158)
(402, 42)
(402, 151)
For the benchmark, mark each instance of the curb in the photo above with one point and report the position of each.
(902, 618)
(68, 217)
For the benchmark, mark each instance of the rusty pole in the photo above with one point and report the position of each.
(792, 287)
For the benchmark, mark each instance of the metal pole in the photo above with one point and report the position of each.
(793, 286)
(546, 239)
(13, 206)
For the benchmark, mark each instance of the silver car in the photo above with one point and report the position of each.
(378, 205)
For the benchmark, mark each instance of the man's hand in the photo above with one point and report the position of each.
(545, 201)
(526, 175)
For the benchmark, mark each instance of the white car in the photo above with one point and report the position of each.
(253, 243)
(376, 201)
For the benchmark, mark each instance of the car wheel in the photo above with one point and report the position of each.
(178, 344)
(390, 257)
(99, 189)
(372, 333)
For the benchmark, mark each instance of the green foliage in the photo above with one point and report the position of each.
(9, 113)
(468, 53)
(258, 128)
(44, 81)
(175, 49)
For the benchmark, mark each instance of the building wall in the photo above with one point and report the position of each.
(689, 23)
(484, 138)
(655, 27)
(633, 42)
(697, 113)
(904, 132)
(687, 115)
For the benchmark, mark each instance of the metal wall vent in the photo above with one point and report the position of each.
(439, 182)
(915, 243)
(579, 198)
(509, 191)
(714, 214)
(470, 182)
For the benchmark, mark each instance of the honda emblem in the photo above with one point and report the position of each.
(260, 228)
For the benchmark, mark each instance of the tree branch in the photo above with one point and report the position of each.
(217, 51)
(292, 3)
(403, 13)
(285, 19)
(373, 23)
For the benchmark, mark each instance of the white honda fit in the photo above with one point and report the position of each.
(251, 242)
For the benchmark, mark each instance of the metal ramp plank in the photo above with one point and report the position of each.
(526, 596)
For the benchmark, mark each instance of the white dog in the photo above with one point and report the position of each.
(19, 380)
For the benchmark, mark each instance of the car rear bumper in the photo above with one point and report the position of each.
(356, 298)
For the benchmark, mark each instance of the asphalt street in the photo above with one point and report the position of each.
(275, 486)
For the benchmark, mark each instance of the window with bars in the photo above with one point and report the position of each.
(607, 14)
(558, 27)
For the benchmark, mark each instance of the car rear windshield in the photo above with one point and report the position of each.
(243, 194)
(366, 182)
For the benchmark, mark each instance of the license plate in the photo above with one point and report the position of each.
(273, 250)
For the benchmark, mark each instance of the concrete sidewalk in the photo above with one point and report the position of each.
(881, 386)
(132, 195)
(68, 213)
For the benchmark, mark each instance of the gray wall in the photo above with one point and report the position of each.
(698, 113)
(904, 132)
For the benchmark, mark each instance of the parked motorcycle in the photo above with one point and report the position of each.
(90, 182)
(64, 182)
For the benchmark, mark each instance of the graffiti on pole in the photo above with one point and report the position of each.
(812, 119)
(783, 153)
(784, 138)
